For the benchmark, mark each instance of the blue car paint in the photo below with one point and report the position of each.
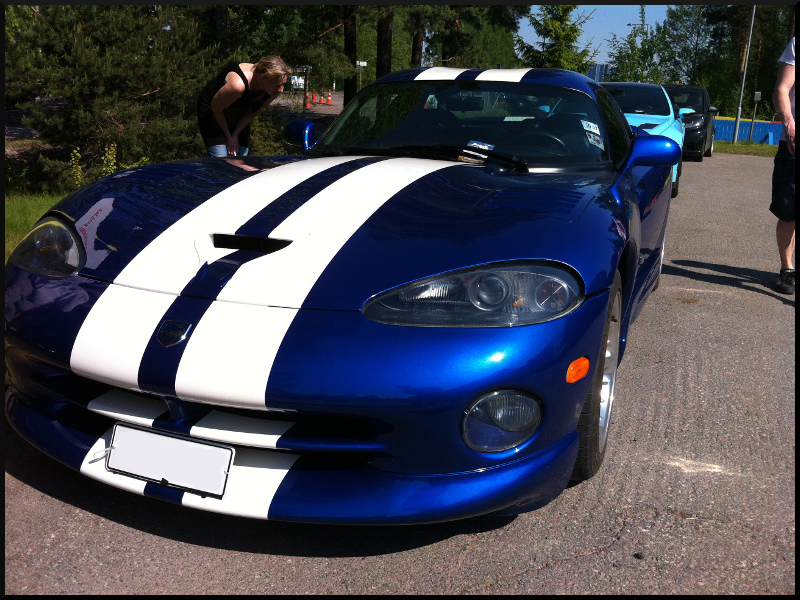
(401, 390)
(670, 125)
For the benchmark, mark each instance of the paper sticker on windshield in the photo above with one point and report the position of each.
(480, 145)
(589, 126)
(595, 140)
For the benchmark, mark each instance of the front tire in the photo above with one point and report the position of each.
(710, 150)
(595, 419)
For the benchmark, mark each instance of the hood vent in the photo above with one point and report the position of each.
(249, 242)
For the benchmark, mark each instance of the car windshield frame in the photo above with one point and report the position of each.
(493, 122)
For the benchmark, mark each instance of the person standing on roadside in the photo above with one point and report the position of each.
(230, 101)
(783, 198)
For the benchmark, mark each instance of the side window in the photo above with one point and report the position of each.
(619, 132)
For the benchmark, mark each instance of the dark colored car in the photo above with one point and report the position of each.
(700, 128)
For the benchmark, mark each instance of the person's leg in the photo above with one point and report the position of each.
(783, 207)
(784, 232)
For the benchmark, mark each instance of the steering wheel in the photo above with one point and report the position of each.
(550, 137)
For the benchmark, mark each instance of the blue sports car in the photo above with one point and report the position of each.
(418, 318)
(649, 107)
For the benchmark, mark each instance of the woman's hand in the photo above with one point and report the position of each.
(232, 143)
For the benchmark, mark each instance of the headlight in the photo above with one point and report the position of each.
(50, 249)
(499, 296)
(500, 421)
(693, 122)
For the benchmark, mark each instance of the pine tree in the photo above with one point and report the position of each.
(97, 76)
(559, 48)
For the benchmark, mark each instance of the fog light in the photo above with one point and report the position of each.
(500, 421)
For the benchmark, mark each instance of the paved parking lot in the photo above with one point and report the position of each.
(697, 494)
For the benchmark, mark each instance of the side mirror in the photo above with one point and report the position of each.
(685, 111)
(652, 151)
(713, 110)
(300, 133)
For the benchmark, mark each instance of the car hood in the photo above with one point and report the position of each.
(652, 124)
(329, 233)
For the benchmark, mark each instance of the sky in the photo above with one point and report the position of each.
(607, 19)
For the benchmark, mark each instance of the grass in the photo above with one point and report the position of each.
(746, 147)
(22, 211)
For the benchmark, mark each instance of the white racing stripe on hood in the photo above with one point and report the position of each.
(318, 230)
(113, 337)
(229, 357)
(115, 333)
(171, 260)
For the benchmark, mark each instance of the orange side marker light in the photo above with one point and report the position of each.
(578, 369)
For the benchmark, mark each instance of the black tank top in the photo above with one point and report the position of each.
(209, 129)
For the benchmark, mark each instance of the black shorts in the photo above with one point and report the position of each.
(783, 199)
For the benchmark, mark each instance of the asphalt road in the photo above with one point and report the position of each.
(697, 494)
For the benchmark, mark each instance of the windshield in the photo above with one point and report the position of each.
(640, 100)
(687, 98)
(473, 121)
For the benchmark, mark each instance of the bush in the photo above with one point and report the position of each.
(266, 137)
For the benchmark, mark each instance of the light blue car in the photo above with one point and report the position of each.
(648, 107)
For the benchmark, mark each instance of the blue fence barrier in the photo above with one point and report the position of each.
(764, 132)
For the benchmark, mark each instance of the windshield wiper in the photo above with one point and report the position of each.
(434, 150)
(519, 165)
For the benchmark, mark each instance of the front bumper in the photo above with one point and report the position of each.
(694, 142)
(270, 484)
(360, 422)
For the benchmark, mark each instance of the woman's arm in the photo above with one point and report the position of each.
(225, 96)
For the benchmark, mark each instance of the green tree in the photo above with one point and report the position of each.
(97, 76)
(560, 32)
(710, 49)
(687, 35)
(457, 37)
(636, 56)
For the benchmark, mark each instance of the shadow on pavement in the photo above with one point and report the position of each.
(726, 275)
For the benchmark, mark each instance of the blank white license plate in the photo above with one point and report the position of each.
(170, 460)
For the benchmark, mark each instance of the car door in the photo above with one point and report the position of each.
(648, 182)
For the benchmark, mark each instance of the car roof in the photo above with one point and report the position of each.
(558, 77)
(630, 84)
(680, 85)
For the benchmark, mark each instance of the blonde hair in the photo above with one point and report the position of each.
(273, 67)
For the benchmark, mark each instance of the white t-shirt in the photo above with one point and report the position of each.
(788, 58)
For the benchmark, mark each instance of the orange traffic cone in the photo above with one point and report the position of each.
(321, 99)
(330, 100)
(314, 97)
(308, 101)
